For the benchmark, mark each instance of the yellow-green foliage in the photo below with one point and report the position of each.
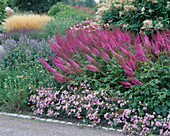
(23, 21)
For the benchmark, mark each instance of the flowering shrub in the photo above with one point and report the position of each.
(87, 25)
(135, 15)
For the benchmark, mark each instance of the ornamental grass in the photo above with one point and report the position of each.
(26, 21)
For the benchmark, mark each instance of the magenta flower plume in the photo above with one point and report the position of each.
(63, 68)
(105, 55)
(60, 78)
(117, 56)
(105, 45)
(134, 80)
(47, 66)
(157, 51)
(95, 51)
(126, 52)
(127, 69)
(131, 63)
(59, 61)
(127, 84)
(140, 55)
(91, 67)
(94, 62)
(73, 63)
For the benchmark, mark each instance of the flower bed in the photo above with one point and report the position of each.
(110, 77)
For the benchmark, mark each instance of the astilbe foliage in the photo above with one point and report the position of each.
(94, 54)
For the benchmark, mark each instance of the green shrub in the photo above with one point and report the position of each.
(76, 14)
(57, 8)
(85, 3)
(136, 15)
(153, 95)
(11, 3)
(36, 6)
(2, 10)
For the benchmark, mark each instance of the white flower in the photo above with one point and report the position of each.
(120, 13)
(168, 5)
(150, 11)
(153, 1)
(118, 6)
(147, 24)
(160, 18)
(125, 25)
(159, 25)
(143, 9)
(128, 8)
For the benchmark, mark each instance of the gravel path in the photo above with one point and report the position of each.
(13, 126)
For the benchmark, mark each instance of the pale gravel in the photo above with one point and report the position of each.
(14, 126)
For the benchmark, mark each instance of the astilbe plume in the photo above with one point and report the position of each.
(125, 48)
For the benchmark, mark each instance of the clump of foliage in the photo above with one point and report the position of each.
(2, 10)
(77, 14)
(57, 8)
(19, 67)
(135, 15)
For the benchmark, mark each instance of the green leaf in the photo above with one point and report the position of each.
(157, 110)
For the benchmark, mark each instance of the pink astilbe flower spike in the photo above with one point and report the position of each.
(95, 51)
(59, 60)
(140, 55)
(105, 45)
(134, 80)
(73, 63)
(63, 68)
(127, 84)
(157, 51)
(92, 60)
(105, 55)
(127, 69)
(91, 67)
(126, 52)
(130, 62)
(47, 66)
(56, 48)
(116, 55)
(60, 78)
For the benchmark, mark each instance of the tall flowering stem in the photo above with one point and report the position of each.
(98, 48)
